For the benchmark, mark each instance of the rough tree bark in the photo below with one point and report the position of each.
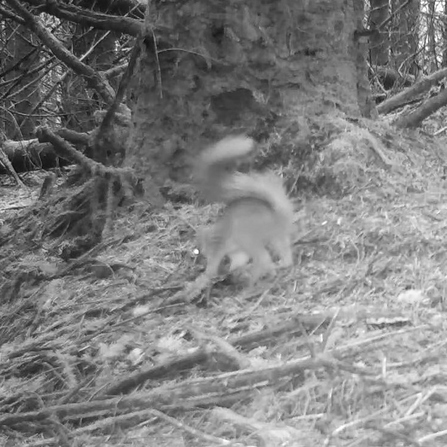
(234, 66)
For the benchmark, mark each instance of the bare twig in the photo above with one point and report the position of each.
(93, 78)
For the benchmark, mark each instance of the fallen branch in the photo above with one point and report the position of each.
(199, 356)
(200, 392)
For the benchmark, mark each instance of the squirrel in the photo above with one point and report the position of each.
(257, 213)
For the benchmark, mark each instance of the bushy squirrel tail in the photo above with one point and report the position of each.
(220, 183)
(217, 163)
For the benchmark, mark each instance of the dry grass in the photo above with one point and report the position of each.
(348, 348)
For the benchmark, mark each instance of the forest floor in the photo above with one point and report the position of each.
(347, 348)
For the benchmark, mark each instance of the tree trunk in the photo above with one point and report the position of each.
(444, 37)
(380, 42)
(431, 36)
(242, 67)
(405, 37)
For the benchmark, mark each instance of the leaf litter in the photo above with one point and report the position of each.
(347, 348)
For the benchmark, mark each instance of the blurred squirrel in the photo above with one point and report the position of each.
(258, 214)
